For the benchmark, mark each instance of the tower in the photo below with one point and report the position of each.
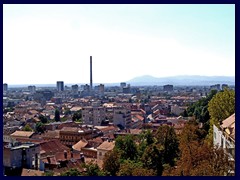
(90, 73)
(60, 86)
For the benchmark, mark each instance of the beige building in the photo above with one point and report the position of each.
(122, 116)
(105, 147)
(93, 115)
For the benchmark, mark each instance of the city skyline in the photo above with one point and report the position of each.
(47, 43)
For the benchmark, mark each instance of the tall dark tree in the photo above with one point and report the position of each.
(43, 119)
(145, 139)
(77, 115)
(57, 115)
(111, 162)
(153, 158)
(126, 146)
(167, 138)
(39, 127)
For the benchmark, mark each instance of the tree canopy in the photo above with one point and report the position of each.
(57, 115)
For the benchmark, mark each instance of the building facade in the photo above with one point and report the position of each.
(5, 87)
(122, 116)
(168, 87)
(60, 86)
(93, 115)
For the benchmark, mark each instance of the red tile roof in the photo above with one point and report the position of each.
(31, 172)
(53, 146)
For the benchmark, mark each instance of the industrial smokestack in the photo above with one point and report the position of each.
(90, 72)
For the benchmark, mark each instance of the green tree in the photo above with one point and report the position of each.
(111, 162)
(221, 106)
(127, 147)
(27, 128)
(93, 170)
(167, 138)
(199, 109)
(127, 168)
(57, 115)
(67, 112)
(49, 173)
(143, 172)
(205, 160)
(77, 115)
(153, 158)
(71, 172)
(43, 119)
(39, 127)
(145, 139)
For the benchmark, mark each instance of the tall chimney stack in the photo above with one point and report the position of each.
(90, 72)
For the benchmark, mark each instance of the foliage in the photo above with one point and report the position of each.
(143, 172)
(205, 160)
(93, 170)
(153, 158)
(43, 119)
(39, 127)
(197, 158)
(49, 173)
(8, 109)
(67, 112)
(27, 128)
(220, 107)
(167, 138)
(77, 115)
(71, 172)
(57, 115)
(126, 147)
(200, 109)
(127, 168)
(145, 139)
(111, 162)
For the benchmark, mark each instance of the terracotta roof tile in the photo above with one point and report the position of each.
(22, 133)
(107, 145)
(31, 172)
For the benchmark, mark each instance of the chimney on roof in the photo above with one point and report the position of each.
(48, 159)
(82, 157)
(65, 154)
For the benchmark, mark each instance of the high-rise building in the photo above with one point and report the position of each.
(60, 85)
(93, 115)
(91, 85)
(224, 86)
(5, 87)
(32, 89)
(123, 84)
(122, 116)
(215, 87)
(168, 87)
(75, 88)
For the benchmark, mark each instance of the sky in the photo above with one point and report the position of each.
(43, 44)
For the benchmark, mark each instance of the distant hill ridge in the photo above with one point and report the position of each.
(182, 80)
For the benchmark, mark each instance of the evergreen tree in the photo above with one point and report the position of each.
(57, 115)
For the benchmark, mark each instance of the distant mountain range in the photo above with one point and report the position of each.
(193, 80)
(147, 80)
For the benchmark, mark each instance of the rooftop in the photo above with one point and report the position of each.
(106, 145)
(22, 133)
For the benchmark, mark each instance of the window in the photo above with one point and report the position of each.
(100, 153)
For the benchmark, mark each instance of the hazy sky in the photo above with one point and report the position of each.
(46, 43)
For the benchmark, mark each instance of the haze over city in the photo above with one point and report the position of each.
(46, 43)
